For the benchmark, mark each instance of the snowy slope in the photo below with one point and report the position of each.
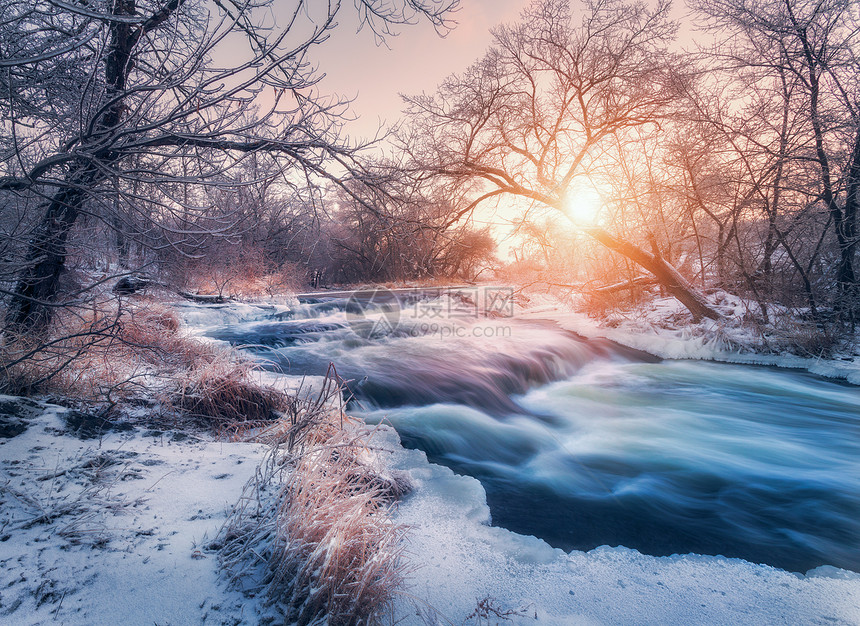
(663, 328)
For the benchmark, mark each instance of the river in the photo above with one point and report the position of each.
(584, 442)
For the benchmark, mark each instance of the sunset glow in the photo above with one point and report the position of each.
(582, 205)
(423, 311)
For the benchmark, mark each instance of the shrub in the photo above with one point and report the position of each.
(221, 394)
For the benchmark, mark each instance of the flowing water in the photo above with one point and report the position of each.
(585, 442)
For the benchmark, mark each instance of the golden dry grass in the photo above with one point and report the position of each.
(119, 351)
(220, 393)
(335, 552)
(79, 339)
(314, 531)
(316, 524)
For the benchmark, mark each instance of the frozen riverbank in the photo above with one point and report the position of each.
(114, 529)
(105, 525)
(662, 327)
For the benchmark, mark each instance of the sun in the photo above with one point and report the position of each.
(582, 204)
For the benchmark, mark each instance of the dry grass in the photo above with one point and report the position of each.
(101, 354)
(335, 552)
(314, 531)
(77, 508)
(306, 418)
(221, 395)
(790, 332)
(489, 611)
(76, 339)
(121, 352)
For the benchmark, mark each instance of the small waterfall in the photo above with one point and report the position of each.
(586, 442)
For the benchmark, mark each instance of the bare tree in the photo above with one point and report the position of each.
(134, 102)
(546, 104)
(401, 227)
(794, 76)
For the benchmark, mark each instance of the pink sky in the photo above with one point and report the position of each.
(417, 60)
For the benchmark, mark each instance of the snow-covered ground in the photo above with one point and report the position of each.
(111, 526)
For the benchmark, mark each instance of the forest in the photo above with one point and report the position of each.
(129, 148)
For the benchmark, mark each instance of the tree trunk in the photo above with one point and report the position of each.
(121, 239)
(624, 284)
(665, 274)
(846, 277)
(30, 308)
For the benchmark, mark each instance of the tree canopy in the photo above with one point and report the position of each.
(119, 109)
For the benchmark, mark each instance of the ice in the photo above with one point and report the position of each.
(456, 560)
(727, 342)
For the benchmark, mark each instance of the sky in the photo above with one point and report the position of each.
(373, 75)
(416, 60)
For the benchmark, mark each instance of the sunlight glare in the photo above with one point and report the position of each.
(582, 205)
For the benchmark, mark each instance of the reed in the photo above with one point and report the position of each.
(219, 393)
(314, 530)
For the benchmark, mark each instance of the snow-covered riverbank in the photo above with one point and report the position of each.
(112, 525)
(662, 327)
(115, 528)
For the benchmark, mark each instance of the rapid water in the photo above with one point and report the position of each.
(584, 442)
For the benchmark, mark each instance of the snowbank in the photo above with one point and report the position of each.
(113, 528)
(652, 330)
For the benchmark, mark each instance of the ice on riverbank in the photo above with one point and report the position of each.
(457, 560)
(114, 529)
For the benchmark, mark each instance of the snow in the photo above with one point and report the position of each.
(653, 329)
(127, 517)
(134, 512)
(136, 509)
